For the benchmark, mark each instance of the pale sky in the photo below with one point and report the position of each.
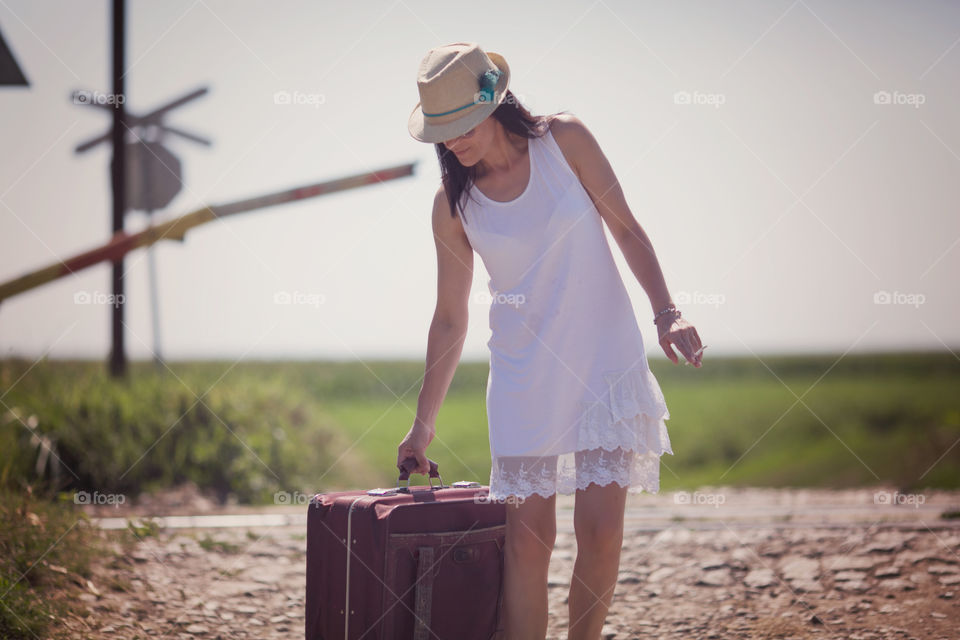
(780, 200)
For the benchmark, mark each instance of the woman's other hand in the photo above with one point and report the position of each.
(684, 336)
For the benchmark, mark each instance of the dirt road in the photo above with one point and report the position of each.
(716, 563)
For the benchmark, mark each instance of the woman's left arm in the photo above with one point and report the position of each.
(588, 161)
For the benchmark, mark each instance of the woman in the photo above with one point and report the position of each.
(571, 403)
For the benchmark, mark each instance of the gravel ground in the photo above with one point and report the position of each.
(718, 563)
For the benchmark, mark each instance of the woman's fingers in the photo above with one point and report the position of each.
(423, 465)
(686, 340)
(665, 345)
(682, 340)
(689, 344)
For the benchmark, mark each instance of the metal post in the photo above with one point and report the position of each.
(154, 298)
(118, 356)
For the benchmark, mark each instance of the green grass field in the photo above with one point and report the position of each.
(249, 430)
(258, 427)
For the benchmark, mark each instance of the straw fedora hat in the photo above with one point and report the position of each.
(460, 85)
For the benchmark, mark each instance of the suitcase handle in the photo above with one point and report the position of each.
(406, 468)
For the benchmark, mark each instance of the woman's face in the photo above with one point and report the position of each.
(472, 146)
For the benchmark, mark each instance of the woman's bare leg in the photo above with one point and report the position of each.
(598, 522)
(530, 536)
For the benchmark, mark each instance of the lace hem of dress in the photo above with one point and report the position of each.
(611, 420)
(621, 436)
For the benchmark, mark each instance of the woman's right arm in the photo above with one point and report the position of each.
(447, 330)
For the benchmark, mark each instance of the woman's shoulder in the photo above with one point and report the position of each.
(572, 136)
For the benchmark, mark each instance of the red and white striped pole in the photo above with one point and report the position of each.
(122, 243)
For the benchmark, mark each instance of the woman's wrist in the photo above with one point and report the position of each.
(670, 312)
(429, 427)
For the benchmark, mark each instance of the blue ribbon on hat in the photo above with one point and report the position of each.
(488, 81)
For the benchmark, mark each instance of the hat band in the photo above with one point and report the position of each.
(446, 113)
(488, 81)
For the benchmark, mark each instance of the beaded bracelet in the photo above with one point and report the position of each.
(665, 310)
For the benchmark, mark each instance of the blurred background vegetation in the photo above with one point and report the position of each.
(245, 431)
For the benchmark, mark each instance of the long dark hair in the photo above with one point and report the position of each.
(515, 118)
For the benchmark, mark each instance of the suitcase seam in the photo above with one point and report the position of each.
(346, 608)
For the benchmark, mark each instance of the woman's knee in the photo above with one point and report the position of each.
(531, 529)
(601, 534)
(598, 519)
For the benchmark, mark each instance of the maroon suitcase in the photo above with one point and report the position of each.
(407, 562)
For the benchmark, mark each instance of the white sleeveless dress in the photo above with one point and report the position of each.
(570, 397)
